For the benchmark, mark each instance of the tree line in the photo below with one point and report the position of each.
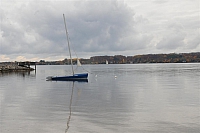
(120, 59)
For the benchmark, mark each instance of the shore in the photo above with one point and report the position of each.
(14, 68)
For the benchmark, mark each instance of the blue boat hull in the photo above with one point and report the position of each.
(75, 77)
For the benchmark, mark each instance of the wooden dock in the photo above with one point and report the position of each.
(17, 66)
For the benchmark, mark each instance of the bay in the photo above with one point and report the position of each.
(139, 98)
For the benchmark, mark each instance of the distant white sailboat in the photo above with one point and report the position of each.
(106, 62)
(78, 62)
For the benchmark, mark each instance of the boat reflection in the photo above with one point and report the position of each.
(70, 109)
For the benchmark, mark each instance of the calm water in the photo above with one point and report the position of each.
(139, 98)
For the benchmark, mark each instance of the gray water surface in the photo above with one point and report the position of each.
(136, 98)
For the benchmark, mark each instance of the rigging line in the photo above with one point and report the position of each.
(77, 58)
(86, 70)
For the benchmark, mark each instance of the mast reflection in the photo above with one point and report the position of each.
(70, 108)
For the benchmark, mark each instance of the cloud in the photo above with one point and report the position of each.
(35, 30)
(102, 26)
(160, 1)
(39, 28)
(173, 37)
(194, 43)
(4, 58)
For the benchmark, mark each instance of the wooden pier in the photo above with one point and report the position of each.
(17, 66)
(27, 64)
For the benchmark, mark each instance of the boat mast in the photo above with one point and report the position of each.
(68, 44)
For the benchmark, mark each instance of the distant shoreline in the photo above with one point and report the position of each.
(120, 59)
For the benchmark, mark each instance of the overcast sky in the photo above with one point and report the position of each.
(34, 29)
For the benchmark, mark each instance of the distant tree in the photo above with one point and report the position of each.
(65, 61)
(42, 61)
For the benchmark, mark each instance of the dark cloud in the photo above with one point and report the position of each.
(94, 25)
(101, 25)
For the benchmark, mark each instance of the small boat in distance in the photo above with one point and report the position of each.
(78, 62)
(75, 77)
(107, 62)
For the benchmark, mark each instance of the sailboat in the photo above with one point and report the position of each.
(106, 62)
(74, 77)
(78, 62)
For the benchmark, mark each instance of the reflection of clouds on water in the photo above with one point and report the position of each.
(20, 73)
(143, 98)
(173, 126)
(103, 105)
